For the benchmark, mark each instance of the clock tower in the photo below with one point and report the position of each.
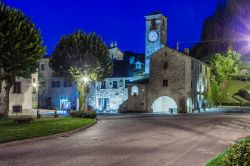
(156, 36)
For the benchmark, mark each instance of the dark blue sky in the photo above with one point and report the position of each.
(116, 20)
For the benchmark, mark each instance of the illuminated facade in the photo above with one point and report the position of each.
(177, 82)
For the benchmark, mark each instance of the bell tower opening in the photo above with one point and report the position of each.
(156, 36)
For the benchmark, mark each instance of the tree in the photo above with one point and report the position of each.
(226, 29)
(223, 66)
(20, 48)
(81, 57)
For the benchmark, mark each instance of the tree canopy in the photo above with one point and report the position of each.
(20, 47)
(227, 28)
(82, 57)
(85, 52)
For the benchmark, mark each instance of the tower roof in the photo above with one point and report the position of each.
(154, 13)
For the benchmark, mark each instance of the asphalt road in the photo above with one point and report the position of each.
(127, 140)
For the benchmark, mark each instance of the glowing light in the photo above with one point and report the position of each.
(85, 79)
(34, 85)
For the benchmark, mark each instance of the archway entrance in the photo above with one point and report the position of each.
(164, 104)
(189, 105)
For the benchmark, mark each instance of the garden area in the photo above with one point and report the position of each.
(238, 154)
(11, 130)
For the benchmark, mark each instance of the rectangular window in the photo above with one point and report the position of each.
(200, 67)
(103, 85)
(67, 83)
(126, 83)
(17, 87)
(114, 84)
(0, 86)
(42, 67)
(165, 83)
(33, 80)
(55, 84)
(191, 84)
(42, 84)
(192, 65)
(165, 66)
(17, 109)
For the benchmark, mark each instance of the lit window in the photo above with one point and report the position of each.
(134, 91)
(17, 87)
(67, 83)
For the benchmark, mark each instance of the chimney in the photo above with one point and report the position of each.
(111, 45)
(186, 51)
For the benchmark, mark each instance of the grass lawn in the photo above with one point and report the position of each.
(10, 131)
(236, 152)
(234, 87)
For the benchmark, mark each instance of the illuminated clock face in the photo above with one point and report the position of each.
(152, 36)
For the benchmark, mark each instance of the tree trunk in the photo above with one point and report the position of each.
(6, 99)
(83, 92)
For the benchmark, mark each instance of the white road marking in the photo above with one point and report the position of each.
(246, 124)
(243, 120)
(229, 124)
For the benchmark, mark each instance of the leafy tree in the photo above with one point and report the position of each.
(223, 66)
(81, 57)
(226, 29)
(20, 48)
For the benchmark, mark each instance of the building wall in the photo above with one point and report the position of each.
(54, 97)
(115, 96)
(186, 81)
(137, 102)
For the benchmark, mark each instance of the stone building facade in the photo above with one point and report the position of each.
(176, 83)
(22, 97)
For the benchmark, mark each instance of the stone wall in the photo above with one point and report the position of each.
(137, 102)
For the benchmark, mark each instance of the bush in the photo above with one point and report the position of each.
(240, 155)
(83, 114)
(23, 119)
(2, 115)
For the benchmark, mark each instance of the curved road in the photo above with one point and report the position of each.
(147, 140)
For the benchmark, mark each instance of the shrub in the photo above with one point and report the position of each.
(239, 155)
(23, 119)
(2, 115)
(83, 114)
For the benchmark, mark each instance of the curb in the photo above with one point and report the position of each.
(31, 140)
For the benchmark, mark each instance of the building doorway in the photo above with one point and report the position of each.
(103, 103)
(189, 105)
(164, 104)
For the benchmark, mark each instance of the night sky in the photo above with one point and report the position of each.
(116, 20)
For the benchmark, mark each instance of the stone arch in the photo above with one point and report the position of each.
(189, 105)
(164, 104)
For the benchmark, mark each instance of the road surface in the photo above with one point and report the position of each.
(146, 140)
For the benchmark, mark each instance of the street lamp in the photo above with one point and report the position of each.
(85, 79)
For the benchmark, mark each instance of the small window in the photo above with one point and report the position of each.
(134, 91)
(191, 84)
(165, 66)
(192, 65)
(67, 83)
(114, 84)
(165, 83)
(55, 84)
(42, 84)
(126, 83)
(200, 67)
(103, 85)
(153, 24)
(33, 80)
(0, 86)
(17, 109)
(17, 87)
(42, 67)
(166, 54)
